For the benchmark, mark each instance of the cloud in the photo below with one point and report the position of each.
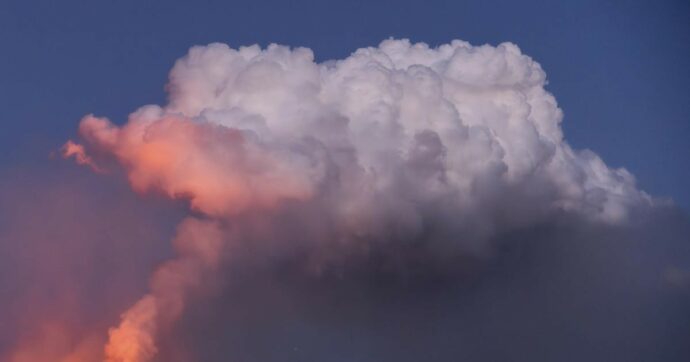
(76, 151)
(401, 160)
(74, 252)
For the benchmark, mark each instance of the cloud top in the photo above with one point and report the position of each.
(415, 125)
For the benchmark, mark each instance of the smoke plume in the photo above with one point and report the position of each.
(401, 165)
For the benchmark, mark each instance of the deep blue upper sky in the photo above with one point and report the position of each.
(620, 70)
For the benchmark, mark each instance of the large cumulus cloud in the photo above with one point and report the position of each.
(400, 161)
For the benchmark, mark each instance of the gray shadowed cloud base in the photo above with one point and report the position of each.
(562, 291)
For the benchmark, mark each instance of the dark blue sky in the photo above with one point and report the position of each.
(620, 70)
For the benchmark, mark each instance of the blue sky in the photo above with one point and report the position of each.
(618, 69)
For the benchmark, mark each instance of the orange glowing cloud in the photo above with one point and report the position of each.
(210, 165)
(72, 264)
(217, 170)
(199, 246)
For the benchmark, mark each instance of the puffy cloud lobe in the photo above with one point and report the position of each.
(214, 166)
(391, 146)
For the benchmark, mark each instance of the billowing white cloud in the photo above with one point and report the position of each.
(398, 145)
